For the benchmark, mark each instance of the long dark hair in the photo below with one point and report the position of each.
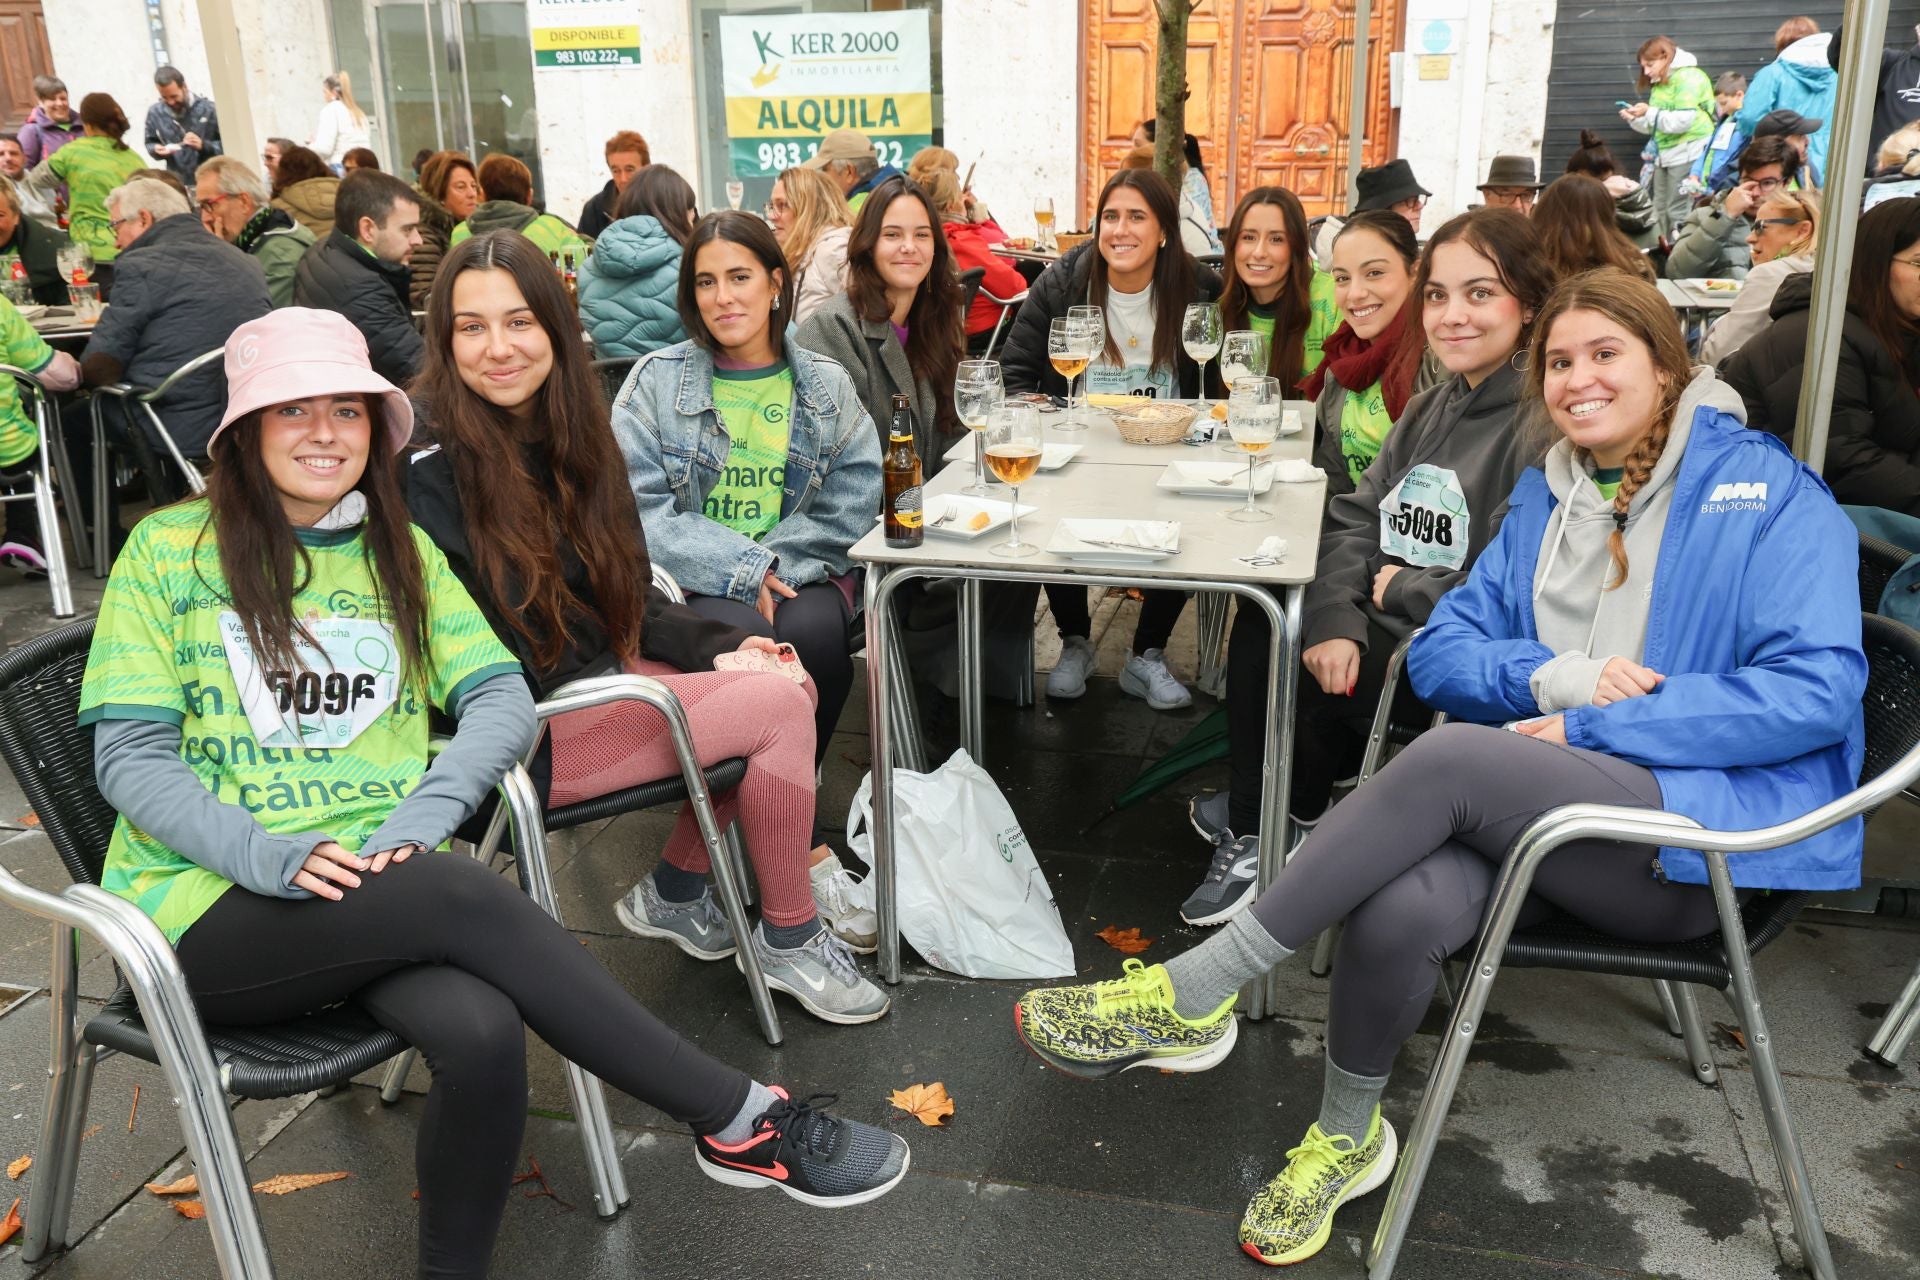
(265, 565)
(1592, 157)
(1574, 220)
(1293, 305)
(1174, 284)
(751, 234)
(1882, 233)
(1508, 240)
(659, 193)
(936, 330)
(513, 522)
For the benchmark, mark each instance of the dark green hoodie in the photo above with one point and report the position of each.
(1442, 479)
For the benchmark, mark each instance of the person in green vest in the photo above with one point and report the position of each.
(1270, 285)
(506, 189)
(1678, 113)
(233, 204)
(91, 166)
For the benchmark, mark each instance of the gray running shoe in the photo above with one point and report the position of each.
(822, 976)
(1208, 814)
(698, 928)
(1228, 887)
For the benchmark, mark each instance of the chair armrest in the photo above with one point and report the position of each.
(992, 297)
(599, 691)
(666, 584)
(188, 369)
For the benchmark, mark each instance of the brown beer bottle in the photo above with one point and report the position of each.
(900, 472)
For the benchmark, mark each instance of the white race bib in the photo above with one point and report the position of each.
(1130, 380)
(343, 686)
(1424, 521)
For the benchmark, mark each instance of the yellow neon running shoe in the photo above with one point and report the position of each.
(1291, 1218)
(1104, 1028)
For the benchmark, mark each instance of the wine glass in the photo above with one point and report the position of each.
(1013, 451)
(1243, 354)
(1200, 335)
(1043, 219)
(977, 392)
(1253, 422)
(75, 261)
(1090, 329)
(736, 192)
(1068, 352)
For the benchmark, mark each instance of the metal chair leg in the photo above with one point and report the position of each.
(1663, 991)
(63, 472)
(1694, 1032)
(55, 548)
(399, 1067)
(1745, 998)
(102, 487)
(737, 850)
(1322, 963)
(1211, 609)
(909, 744)
(1889, 1043)
(69, 1076)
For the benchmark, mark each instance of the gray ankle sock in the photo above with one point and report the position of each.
(1347, 1102)
(740, 1128)
(1204, 977)
(790, 937)
(676, 885)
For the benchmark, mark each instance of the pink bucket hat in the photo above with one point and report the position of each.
(299, 352)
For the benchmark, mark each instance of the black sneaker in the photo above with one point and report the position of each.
(1229, 885)
(810, 1155)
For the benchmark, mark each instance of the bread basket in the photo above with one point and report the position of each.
(1154, 422)
(1064, 242)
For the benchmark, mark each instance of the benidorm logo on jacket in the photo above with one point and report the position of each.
(1738, 496)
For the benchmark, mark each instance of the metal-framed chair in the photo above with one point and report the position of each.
(1723, 960)
(969, 286)
(152, 1015)
(1007, 307)
(612, 372)
(39, 404)
(130, 397)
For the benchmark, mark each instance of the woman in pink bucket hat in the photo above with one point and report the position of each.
(259, 686)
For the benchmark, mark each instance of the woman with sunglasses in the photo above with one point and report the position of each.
(1786, 226)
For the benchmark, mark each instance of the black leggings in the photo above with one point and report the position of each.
(1329, 729)
(1159, 611)
(1410, 862)
(458, 962)
(815, 623)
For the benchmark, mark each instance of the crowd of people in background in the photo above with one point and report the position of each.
(425, 351)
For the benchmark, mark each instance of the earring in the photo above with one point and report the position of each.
(1163, 242)
(776, 302)
(1521, 360)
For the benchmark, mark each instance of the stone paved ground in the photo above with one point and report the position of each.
(1580, 1145)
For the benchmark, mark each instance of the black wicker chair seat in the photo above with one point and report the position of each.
(1566, 943)
(277, 1061)
(721, 778)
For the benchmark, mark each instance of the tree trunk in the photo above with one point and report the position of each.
(1170, 89)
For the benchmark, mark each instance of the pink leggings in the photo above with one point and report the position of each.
(763, 718)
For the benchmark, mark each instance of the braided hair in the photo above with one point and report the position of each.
(1639, 308)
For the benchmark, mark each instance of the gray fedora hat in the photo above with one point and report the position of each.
(1512, 171)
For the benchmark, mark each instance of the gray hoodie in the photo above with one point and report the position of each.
(1574, 615)
(1474, 440)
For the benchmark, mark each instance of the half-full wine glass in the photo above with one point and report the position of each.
(977, 392)
(1013, 452)
(1200, 335)
(1067, 352)
(1253, 422)
(1243, 354)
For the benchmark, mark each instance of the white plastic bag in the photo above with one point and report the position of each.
(972, 899)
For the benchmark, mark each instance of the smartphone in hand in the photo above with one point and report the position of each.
(784, 663)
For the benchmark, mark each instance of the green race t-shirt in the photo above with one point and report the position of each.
(1363, 428)
(162, 652)
(1607, 481)
(753, 404)
(92, 167)
(22, 348)
(1323, 317)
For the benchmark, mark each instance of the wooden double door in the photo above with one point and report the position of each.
(23, 55)
(1269, 93)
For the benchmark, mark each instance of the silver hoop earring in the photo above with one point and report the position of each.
(1521, 360)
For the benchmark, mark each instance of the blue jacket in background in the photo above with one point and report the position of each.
(1798, 80)
(627, 289)
(676, 445)
(1755, 622)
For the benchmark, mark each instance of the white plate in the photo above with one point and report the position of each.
(1214, 479)
(1158, 539)
(30, 310)
(965, 507)
(1053, 456)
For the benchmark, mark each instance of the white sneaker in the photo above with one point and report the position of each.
(1146, 676)
(822, 976)
(1068, 679)
(845, 904)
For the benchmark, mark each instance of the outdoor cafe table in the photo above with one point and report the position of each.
(1041, 256)
(57, 327)
(1207, 561)
(1693, 303)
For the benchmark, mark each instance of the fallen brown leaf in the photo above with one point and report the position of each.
(19, 1167)
(135, 1109)
(10, 1225)
(1733, 1033)
(89, 1133)
(189, 1209)
(536, 1174)
(31, 819)
(927, 1103)
(187, 1186)
(1127, 940)
(290, 1182)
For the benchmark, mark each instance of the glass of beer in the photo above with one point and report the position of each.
(1043, 220)
(1069, 351)
(1013, 454)
(1253, 422)
(977, 392)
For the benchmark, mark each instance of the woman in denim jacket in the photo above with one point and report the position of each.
(753, 465)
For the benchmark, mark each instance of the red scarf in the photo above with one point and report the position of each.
(1357, 363)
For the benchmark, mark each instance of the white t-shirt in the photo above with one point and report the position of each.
(1130, 315)
(336, 133)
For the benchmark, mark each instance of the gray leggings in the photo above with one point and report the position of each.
(1410, 859)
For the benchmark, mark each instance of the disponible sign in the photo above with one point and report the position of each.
(791, 80)
(585, 33)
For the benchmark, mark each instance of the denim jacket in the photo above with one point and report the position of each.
(675, 445)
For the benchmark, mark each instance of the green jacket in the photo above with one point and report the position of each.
(1684, 89)
(551, 233)
(278, 253)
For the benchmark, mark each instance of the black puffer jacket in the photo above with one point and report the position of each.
(1873, 442)
(1023, 360)
(339, 275)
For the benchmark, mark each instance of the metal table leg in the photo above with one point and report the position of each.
(879, 729)
(1276, 772)
(972, 656)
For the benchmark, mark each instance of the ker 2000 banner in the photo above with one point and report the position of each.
(791, 80)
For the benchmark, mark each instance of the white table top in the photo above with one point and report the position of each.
(1688, 293)
(1100, 442)
(1209, 542)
